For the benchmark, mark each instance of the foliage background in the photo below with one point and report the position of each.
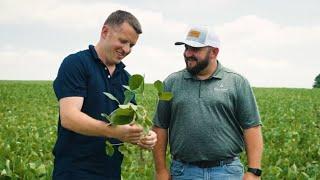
(29, 113)
(317, 82)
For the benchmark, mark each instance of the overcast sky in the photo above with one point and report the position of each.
(272, 43)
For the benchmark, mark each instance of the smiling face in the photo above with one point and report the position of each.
(197, 59)
(117, 42)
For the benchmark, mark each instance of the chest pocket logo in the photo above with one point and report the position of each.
(220, 88)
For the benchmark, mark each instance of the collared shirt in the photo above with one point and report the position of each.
(206, 118)
(84, 75)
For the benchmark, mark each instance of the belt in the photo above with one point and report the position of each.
(207, 163)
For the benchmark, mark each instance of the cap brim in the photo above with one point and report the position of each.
(190, 43)
(179, 43)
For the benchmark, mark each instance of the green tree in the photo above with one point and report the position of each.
(317, 82)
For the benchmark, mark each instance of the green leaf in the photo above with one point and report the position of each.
(122, 116)
(165, 96)
(122, 112)
(109, 148)
(129, 106)
(125, 149)
(124, 106)
(41, 170)
(106, 116)
(128, 96)
(148, 122)
(146, 130)
(134, 107)
(126, 87)
(141, 89)
(32, 165)
(121, 119)
(135, 81)
(110, 96)
(139, 118)
(3, 172)
(159, 86)
(121, 149)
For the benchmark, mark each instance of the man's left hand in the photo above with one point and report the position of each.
(148, 141)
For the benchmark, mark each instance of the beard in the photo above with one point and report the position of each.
(200, 64)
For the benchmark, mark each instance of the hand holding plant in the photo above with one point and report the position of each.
(132, 114)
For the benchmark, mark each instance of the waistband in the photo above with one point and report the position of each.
(208, 163)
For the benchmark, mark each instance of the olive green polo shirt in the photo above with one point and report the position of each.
(206, 118)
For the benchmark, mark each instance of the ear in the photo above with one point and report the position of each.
(215, 51)
(105, 31)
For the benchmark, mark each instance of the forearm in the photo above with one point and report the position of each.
(79, 122)
(73, 119)
(159, 151)
(254, 146)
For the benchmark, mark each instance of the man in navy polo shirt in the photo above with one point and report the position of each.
(82, 78)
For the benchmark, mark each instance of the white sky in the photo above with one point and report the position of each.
(272, 43)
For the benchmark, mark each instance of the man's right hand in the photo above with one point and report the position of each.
(127, 133)
(163, 175)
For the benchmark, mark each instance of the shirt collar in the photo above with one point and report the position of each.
(94, 54)
(218, 73)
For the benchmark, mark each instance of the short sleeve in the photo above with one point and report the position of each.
(71, 79)
(247, 109)
(163, 113)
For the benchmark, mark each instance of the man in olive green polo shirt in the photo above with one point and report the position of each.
(212, 117)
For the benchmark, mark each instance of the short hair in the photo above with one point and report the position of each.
(118, 17)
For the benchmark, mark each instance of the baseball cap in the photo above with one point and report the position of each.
(200, 37)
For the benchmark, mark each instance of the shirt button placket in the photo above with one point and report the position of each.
(200, 89)
(105, 68)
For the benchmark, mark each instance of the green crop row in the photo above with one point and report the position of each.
(29, 113)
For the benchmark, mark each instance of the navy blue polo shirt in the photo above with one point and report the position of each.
(84, 75)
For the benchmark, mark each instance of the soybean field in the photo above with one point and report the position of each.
(29, 116)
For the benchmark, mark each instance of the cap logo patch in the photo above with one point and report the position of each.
(194, 34)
